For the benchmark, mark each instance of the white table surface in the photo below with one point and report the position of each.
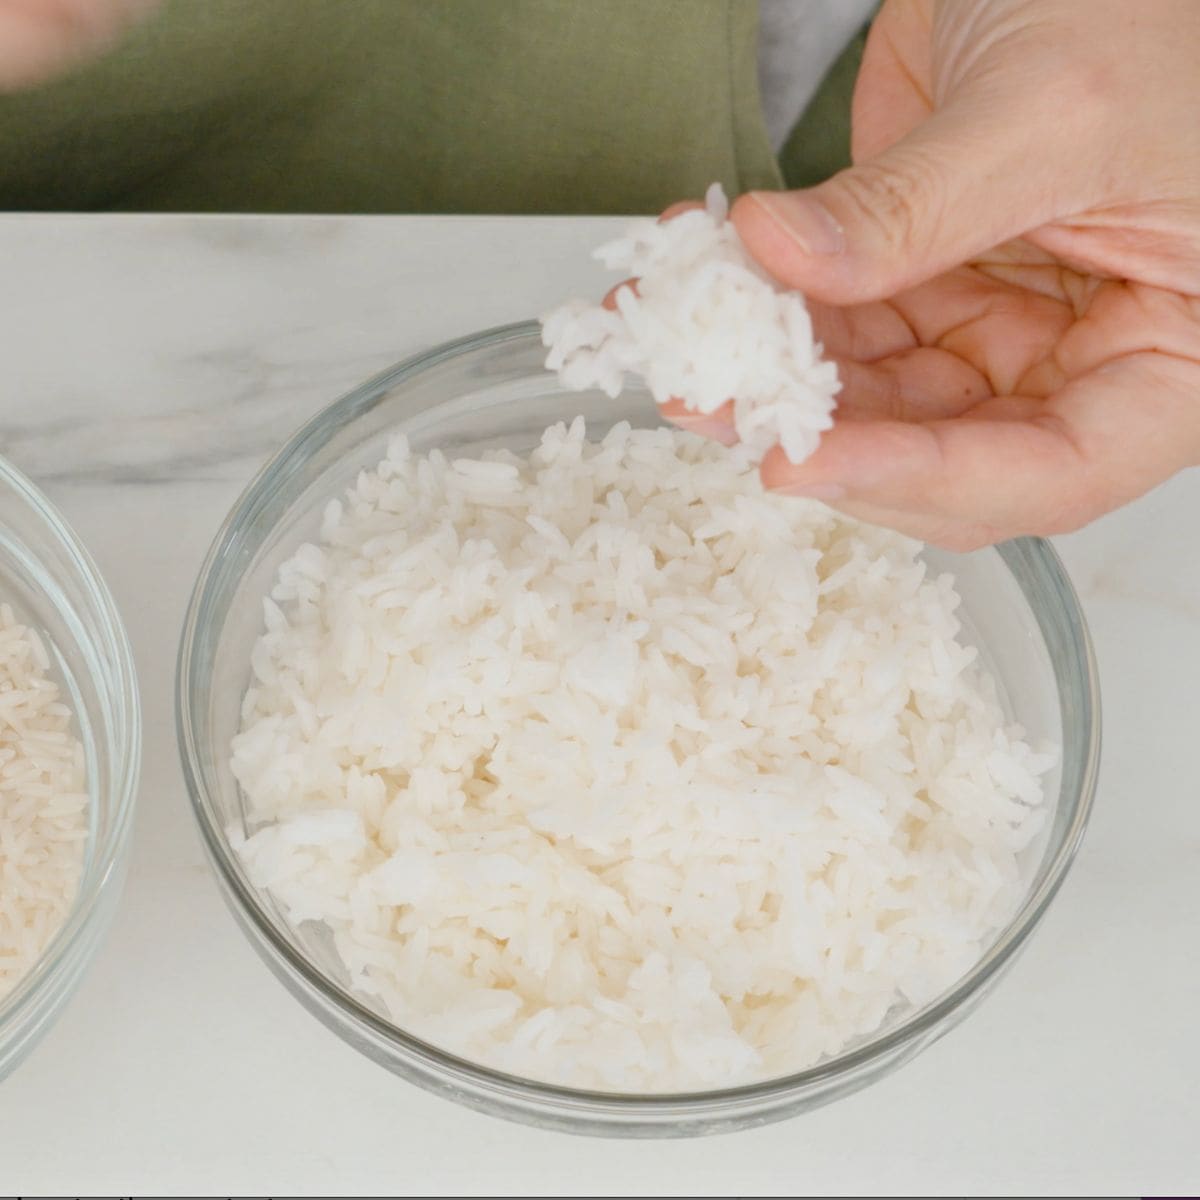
(148, 365)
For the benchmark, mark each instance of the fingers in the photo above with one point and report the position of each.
(1004, 329)
(922, 384)
(39, 38)
(863, 332)
(961, 182)
(907, 383)
(1017, 466)
(916, 385)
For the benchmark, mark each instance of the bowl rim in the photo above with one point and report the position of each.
(923, 1021)
(127, 752)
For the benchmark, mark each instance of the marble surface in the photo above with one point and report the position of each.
(147, 367)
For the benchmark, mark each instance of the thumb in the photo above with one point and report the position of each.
(958, 184)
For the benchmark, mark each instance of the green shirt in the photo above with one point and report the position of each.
(400, 106)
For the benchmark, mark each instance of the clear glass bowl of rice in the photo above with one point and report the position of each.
(52, 592)
(491, 392)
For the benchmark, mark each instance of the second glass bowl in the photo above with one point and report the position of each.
(54, 587)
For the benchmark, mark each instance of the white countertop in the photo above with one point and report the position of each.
(148, 365)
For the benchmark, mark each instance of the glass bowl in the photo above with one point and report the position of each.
(489, 391)
(53, 586)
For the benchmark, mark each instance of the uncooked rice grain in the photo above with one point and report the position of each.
(43, 804)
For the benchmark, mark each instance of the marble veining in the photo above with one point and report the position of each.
(168, 349)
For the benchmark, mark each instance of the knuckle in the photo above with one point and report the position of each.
(894, 200)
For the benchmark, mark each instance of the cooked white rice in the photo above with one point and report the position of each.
(705, 324)
(43, 806)
(606, 768)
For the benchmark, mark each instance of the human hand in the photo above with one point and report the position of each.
(39, 38)
(1053, 148)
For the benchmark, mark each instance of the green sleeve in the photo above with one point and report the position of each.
(400, 106)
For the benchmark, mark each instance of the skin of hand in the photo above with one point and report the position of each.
(41, 38)
(1009, 274)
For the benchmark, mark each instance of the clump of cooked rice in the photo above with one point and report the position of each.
(43, 805)
(705, 325)
(605, 767)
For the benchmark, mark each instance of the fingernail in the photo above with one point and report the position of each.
(814, 491)
(805, 219)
